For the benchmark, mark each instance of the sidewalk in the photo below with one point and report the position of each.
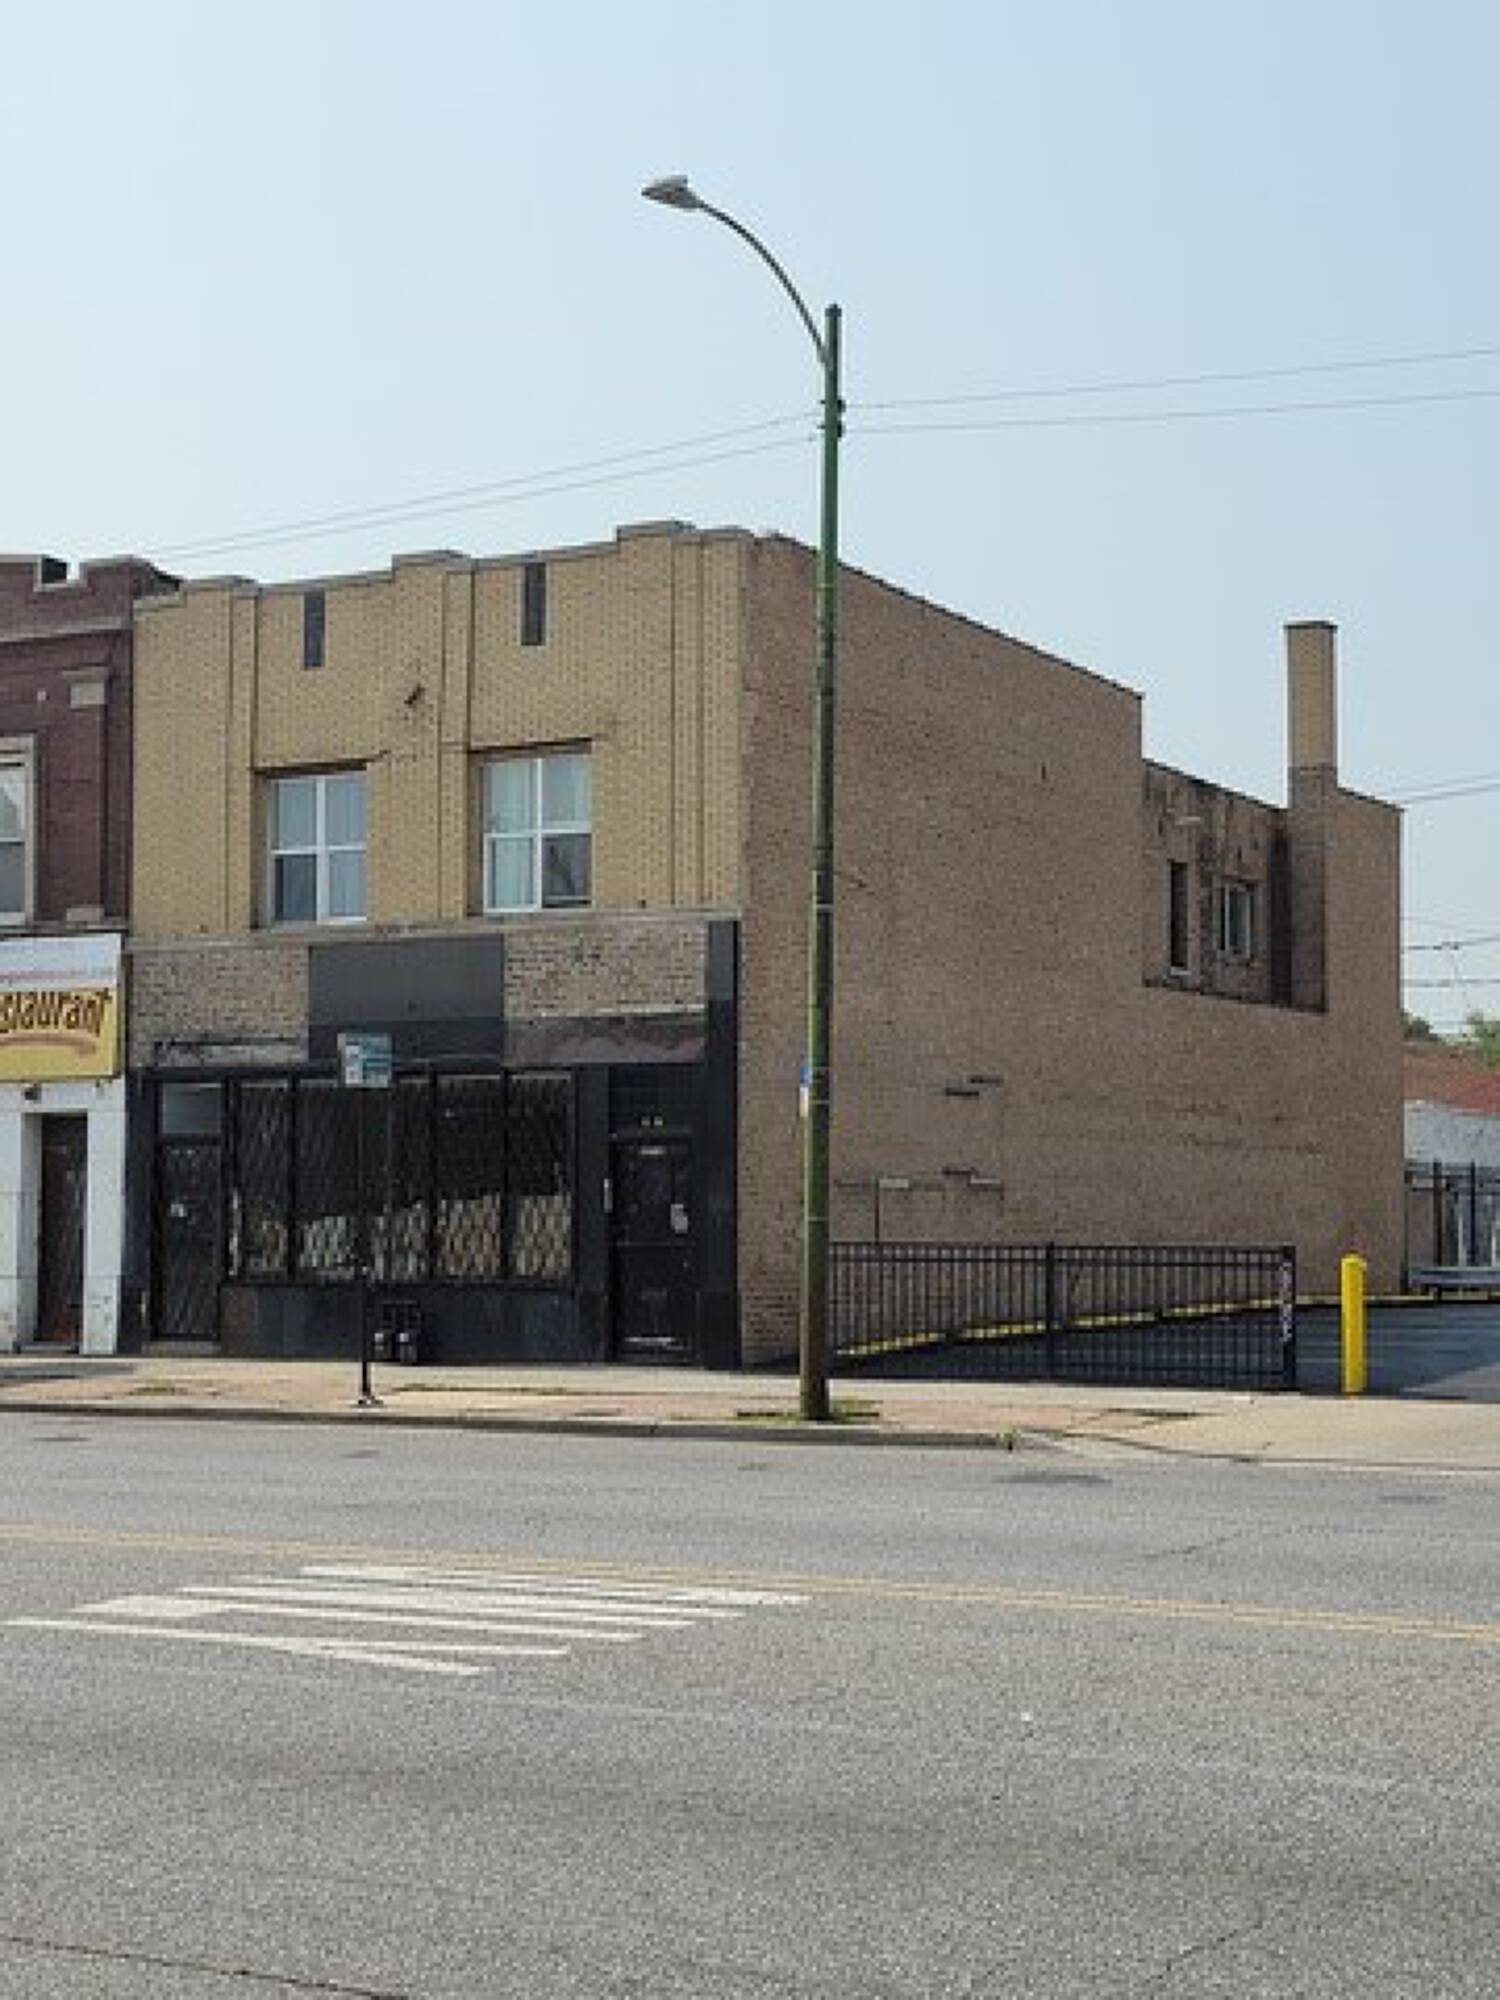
(1269, 1429)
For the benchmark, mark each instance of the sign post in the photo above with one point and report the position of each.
(364, 1065)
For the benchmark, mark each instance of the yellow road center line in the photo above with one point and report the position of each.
(997, 1597)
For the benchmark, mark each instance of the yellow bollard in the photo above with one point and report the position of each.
(1354, 1374)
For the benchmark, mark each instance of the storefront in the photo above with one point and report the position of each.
(62, 1142)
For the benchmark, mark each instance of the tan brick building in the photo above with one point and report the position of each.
(543, 820)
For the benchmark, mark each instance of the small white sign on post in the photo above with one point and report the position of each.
(365, 1061)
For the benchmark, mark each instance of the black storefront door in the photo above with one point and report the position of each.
(59, 1313)
(655, 1280)
(189, 1221)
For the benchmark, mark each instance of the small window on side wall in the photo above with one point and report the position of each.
(1236, 920)
(1177, 916)
(534, 604)
(314, 622)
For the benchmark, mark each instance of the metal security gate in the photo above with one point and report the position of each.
(189, 1233)
(59, 1313)
(1189, 1316)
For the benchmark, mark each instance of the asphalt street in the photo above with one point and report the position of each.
(302, 1711)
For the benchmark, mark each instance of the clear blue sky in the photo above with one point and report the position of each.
(267, 262)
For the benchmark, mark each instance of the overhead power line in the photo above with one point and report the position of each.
(497, 492)
(1461, 788)
(1132, 385)
(1475, 943)
(688, 454)
(1220, 412)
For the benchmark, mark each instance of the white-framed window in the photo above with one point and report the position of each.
(316, 826)
(1236, 920)
(538, 832)
(17, 793)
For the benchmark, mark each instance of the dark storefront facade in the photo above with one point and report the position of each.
(553, 1189)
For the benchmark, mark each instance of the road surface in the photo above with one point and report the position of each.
(296, 1711)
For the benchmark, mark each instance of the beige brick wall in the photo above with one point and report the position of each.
(424, 675)
(219, 999)
(629, 965)
(994, 1024)
(245, 998)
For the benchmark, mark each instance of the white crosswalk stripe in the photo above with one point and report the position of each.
(368, 1609)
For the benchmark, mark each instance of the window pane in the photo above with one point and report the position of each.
(565, 870)
(511, 800)
(294, 889)
(314, 613)
(12, 879)
(12, 803)
(190, 1110)
(565, 791)
(346, 883)
(294, 812)
(511, 871)
(344, 811)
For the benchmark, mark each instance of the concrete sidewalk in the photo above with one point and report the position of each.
(1270, 1429)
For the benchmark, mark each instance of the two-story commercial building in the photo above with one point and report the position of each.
(543, 821)
(65, 714)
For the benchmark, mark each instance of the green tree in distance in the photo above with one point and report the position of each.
(1482, 1035)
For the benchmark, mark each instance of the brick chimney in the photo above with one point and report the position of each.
(1312, 784)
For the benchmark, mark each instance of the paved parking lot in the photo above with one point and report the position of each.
(1450, 1350)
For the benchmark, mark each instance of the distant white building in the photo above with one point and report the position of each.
(1452, 1108)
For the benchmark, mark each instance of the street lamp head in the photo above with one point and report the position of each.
(673, 192)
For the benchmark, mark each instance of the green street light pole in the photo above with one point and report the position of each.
(675, 192)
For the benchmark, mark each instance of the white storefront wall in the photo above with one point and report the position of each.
(22, 1109)
(59, 1052)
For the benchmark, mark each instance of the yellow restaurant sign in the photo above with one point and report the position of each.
(59, 1007)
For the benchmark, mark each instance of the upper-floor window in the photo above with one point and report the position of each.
(314, 626)
(534, 604)
(538, 837)
(1177, 916)
(317, 842)
(1236, 920)
(15, 834)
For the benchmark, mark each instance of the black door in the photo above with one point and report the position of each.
(655, 1278)
(59, 1312)
(188, 1231)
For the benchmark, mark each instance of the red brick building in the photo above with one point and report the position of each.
(65, 757)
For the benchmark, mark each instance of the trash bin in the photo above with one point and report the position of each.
(398, 1332)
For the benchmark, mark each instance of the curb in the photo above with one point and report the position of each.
(748, 1429)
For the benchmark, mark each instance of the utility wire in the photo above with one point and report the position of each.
(1217, 377)
(1209, 412)
(1461, 788)
(649, 459)
(462, 499)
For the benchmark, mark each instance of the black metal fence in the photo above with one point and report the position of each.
(453, 1176)
(1221, 1318)
(1452, 1216)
